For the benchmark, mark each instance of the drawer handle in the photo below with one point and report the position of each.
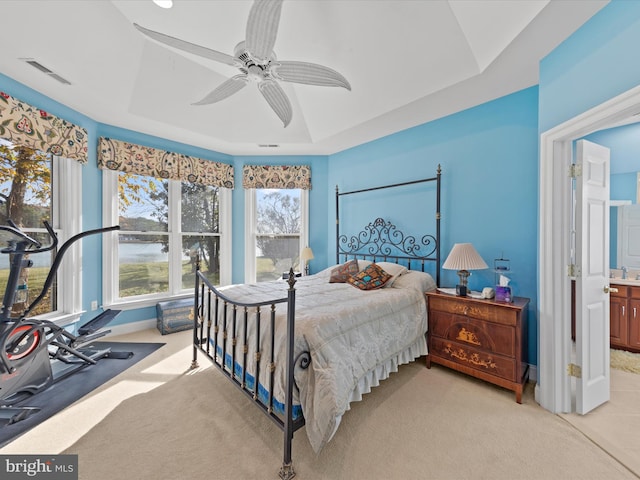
(465, 310)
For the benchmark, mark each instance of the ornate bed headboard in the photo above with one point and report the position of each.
(380, 240)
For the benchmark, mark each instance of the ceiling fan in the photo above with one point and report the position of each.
(257, 62)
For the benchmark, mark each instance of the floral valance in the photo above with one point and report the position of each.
(28, 126)
(277, 176)
(141, 160)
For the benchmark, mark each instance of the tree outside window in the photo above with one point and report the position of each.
(26, 199)
(165, 226)
(278, 227)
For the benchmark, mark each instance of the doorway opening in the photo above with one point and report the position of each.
(553, 390)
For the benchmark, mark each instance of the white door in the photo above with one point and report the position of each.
(592, 287)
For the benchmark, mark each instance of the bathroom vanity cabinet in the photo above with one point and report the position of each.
(625, 317)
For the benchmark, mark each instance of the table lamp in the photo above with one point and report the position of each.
(463, 257)
(305, 256)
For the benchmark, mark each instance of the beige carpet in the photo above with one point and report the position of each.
(627, 361)
(419, 424)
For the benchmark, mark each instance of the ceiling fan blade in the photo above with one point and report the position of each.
(277, 100)
(262, 28)
(188, 46)
(309, 74)
(226, 89)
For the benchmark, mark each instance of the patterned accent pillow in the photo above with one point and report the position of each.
(370, 278)
(341, 273)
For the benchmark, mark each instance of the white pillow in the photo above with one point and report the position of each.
(416, 279)
(392, 269)
(362, 264)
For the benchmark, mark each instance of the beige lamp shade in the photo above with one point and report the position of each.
(307, 254)
(463, 257)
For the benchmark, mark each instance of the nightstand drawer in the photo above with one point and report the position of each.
(486, 339)
(474, 358)
(491, 337)
(479, 310)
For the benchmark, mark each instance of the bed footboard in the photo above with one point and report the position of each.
(216, 324)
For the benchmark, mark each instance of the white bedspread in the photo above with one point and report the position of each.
(348, 333)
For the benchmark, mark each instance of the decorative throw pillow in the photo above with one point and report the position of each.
(370, 278)
(341, 273)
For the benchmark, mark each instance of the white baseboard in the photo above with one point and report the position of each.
(533, 373)
(131, 327)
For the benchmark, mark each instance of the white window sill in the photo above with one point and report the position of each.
(143, 303)
(61, 320)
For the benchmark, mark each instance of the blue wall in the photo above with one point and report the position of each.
(489, 158)
(624, 146)
(489, 196)
(595, 64)
(624, 143)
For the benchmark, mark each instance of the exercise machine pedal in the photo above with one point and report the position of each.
(16, 414)
(98, 322)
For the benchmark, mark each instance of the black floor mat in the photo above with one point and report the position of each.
(69, 389)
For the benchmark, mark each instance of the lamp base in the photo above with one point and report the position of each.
(461, 290)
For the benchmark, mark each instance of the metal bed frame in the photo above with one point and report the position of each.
(378, 241)
(382, 241)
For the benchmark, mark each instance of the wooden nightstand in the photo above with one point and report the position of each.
(482, 338)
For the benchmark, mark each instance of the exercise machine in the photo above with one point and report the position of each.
(35, 353)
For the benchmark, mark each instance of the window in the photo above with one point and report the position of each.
(165, 226)
(35, 187)
(276, 223)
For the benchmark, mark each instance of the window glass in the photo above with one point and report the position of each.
(143, 242)
(277, 232)
(27, 199)
(200, 227)
(166, 227)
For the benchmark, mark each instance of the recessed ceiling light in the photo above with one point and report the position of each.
(164, 3)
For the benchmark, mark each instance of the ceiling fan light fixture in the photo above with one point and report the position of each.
(257, 63)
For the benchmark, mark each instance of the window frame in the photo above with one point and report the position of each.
(250, 202)
(110, 270)
(66, 194)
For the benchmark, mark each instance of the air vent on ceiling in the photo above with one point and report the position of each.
(44, 69)
(268, 145)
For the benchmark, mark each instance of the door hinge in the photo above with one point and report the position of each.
(574, 370)
(573, 270)
(575, 170)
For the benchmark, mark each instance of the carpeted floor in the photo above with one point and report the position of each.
(63, 393)
(419, 424)
(159, 420)
(627, 361)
